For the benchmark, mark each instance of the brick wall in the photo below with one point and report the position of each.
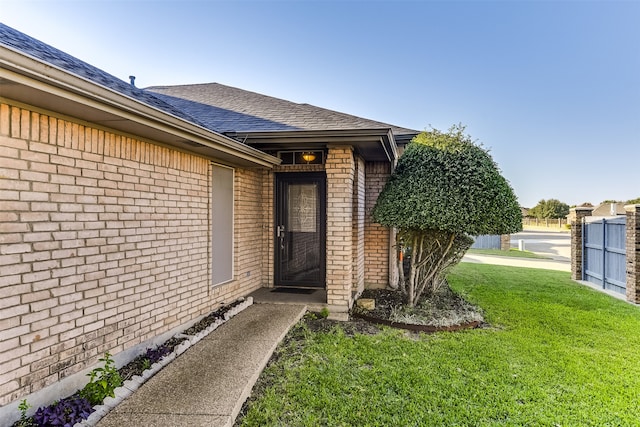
(104, 244)
(358, 225)
(376, 236)
(268, 186)
(340, 168)
(505, 242)
(633, 253)
(577, 215)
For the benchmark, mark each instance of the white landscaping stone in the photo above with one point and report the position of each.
(101, 409)
(183, 347)
(94, 418)
(122, 393)
(131, 385)
(111, 402)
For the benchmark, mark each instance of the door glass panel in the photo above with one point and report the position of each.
(303, 202)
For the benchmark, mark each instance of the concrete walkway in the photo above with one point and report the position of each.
(207, 385)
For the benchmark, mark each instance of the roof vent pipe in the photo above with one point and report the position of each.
(132, 79)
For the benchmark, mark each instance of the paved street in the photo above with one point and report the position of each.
(554, 245)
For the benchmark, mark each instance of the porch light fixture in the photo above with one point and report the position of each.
(308, 157)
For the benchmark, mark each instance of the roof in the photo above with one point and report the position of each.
(212, 114)
(49, 54)
(609, 209)
(229, 109)
(34, 73)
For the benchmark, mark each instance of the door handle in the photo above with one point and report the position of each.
(280, 234)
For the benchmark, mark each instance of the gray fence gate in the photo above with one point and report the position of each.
(604, 252)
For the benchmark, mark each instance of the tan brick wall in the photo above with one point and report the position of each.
(376, 236)
(358, 225)
(104, 244)
(340, 168)
(268, 185)
(633, 253)
(505, 242)
(577, 215)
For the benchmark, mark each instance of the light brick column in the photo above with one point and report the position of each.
(577, 215)
(633, 252)
(268, 197)
(358, 226)
(505, 242)
(340, 168)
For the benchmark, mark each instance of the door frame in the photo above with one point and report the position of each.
(282, 179)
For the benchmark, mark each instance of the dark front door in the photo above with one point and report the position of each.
(300, 229)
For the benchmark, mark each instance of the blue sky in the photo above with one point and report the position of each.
(551, 88)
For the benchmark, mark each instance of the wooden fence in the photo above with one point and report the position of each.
(547, 222)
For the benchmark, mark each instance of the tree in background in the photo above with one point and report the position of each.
(551, 209)
(444, 190)
(635, 201)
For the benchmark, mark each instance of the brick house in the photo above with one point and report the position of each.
(127, 214)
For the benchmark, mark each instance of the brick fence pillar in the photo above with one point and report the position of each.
(577, 215)
(505, 242)
(633, 252)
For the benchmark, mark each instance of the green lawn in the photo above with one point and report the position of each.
(514, 253)
(557, 354)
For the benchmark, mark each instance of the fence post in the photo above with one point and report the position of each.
(604, 253)
(577, 214)
(633, 252)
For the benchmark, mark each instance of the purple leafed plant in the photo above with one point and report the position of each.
(65, 412)
(155, 354)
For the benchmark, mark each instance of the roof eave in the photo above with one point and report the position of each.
(382, 137)
(29, 80)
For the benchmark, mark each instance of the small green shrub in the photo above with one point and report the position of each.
(103, 381)
(25, 421)
(324, 313)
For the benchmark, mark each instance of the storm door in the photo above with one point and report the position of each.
(300, 229)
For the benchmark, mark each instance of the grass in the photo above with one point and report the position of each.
(514, 253)
(557, 354)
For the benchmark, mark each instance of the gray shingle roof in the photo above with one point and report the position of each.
(214, 106)
(228, 109)
(21, 42)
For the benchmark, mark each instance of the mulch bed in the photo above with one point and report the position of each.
(437, 312)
